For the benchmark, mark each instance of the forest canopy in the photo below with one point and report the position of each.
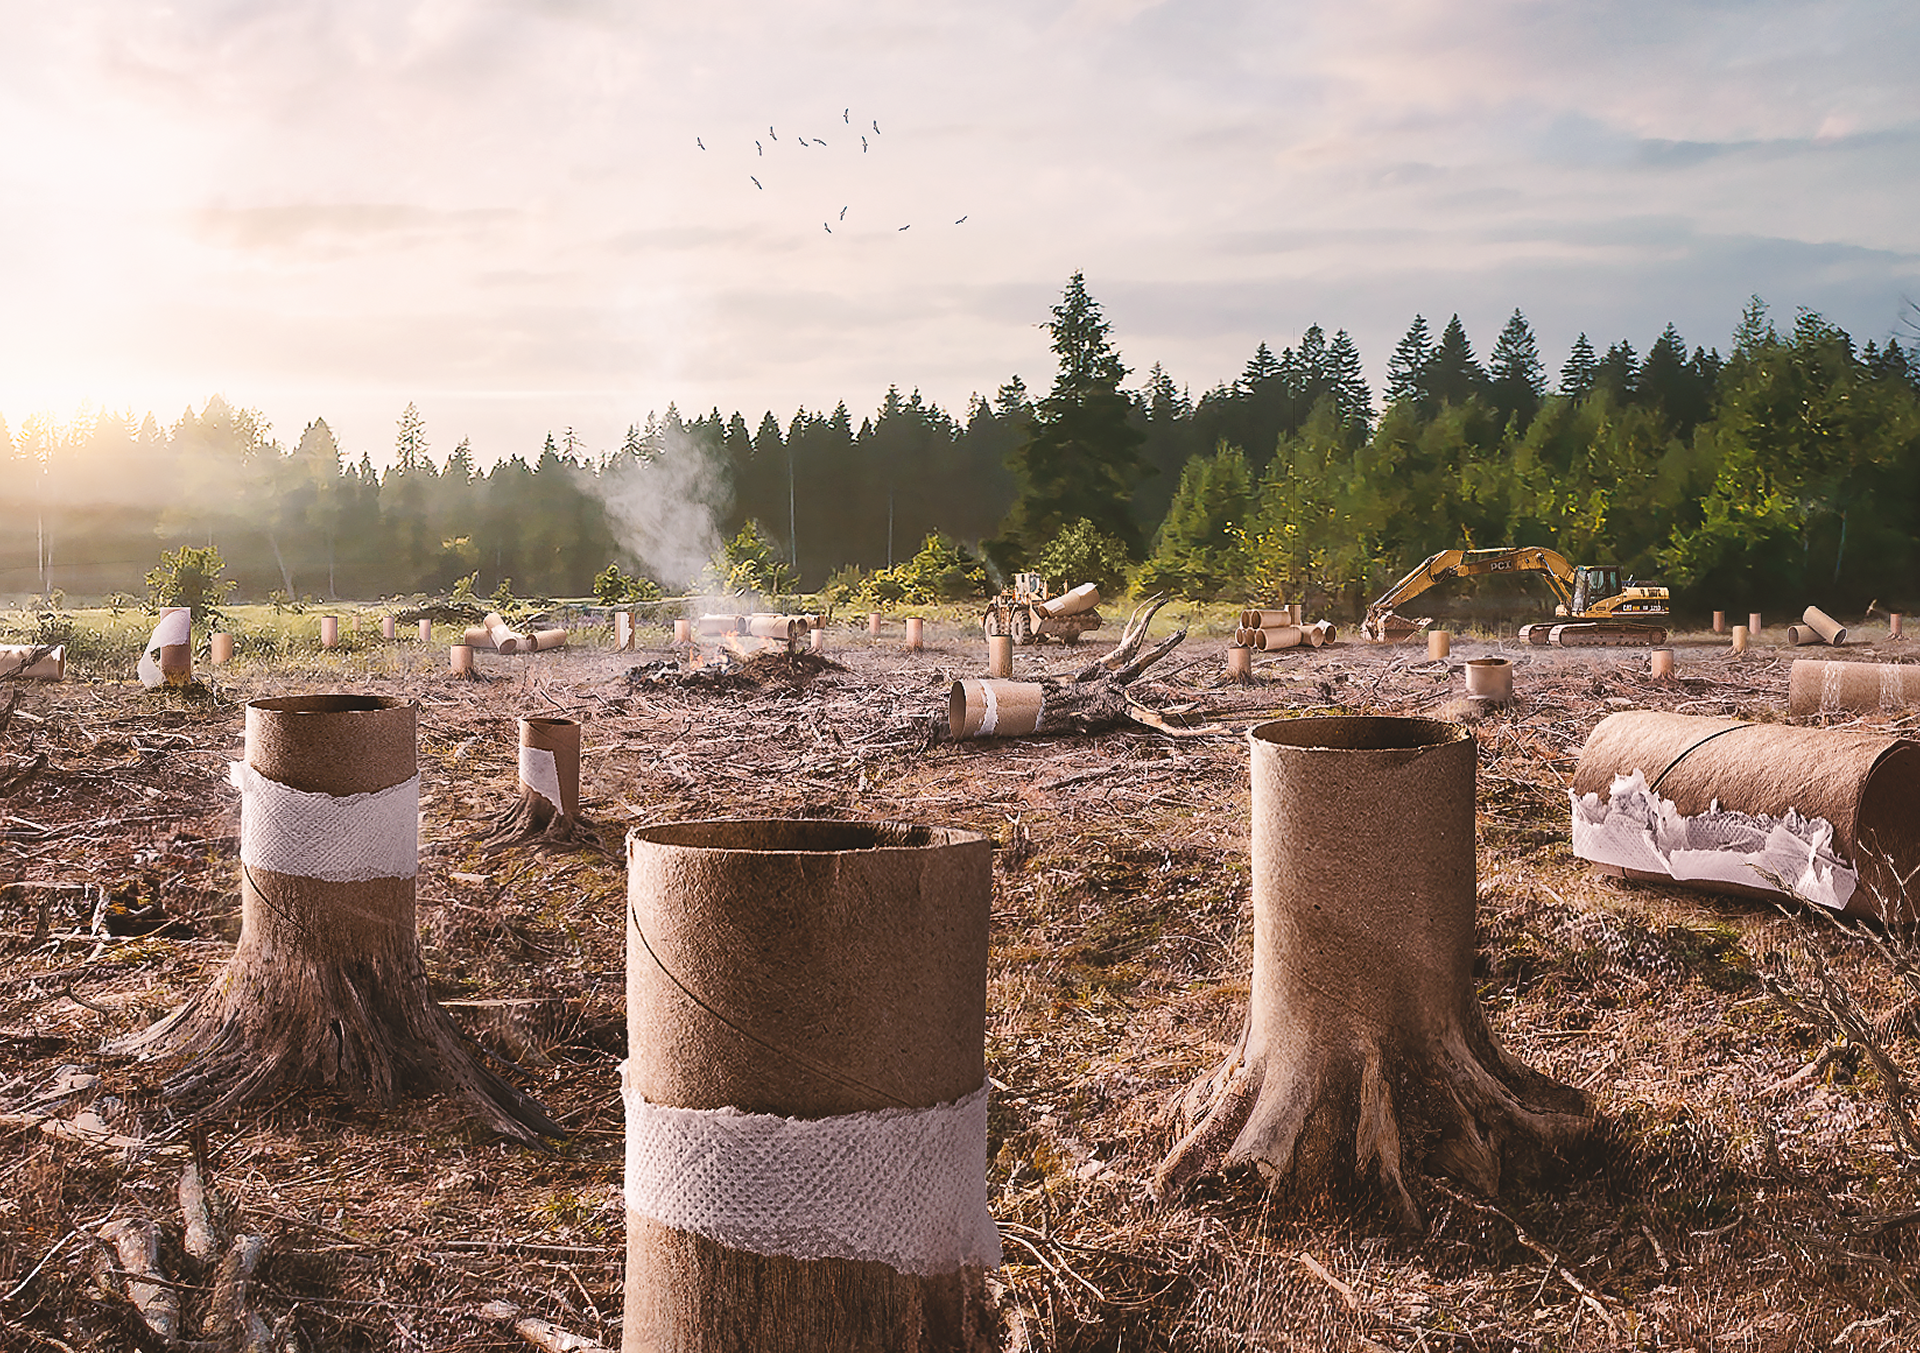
(1788, 469)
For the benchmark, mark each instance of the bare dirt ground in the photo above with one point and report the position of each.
(1727, 1203)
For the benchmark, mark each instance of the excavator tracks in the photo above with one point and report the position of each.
(1594, 634)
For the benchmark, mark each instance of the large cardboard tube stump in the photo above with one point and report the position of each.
(1000, 656)
(806, 1088)
(547, 808)
(1490, 680)
(1365, 1054)
(326, 989)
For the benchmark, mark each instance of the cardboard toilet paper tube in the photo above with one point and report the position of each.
(1830, 630)
(386, 627)
(806, 1012)
(873, 624)
(329, 631)
(1490, 679)
(786, 627)
(1719, 622)
(622, 631)
(1739, 634)
(426, 631)
(1722, 776)
(1660, 664)
(1000, 656)
(1265, 620)
(683, 631)
(460, 659)
(1082, 598)
(542, 640)
(1799, 636)
(353, 622)
(1325, 630)
(1276, 638)
(713, 626)
(995, 709)
(1818, 687)
(168, 657)
(550, 762)
(1296, 612)
(505, 638)
(816, 640)
(1893, 624)
(1239, 661)
(477, 636)
(220, 648)
(50, 666)
(1753, 625)
(1439, 643)
(916, 633)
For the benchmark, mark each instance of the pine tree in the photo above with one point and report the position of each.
(1576, 377)
(1082, 456)
(1261, 368)
(1519, 376)
(1351, 395)
(1453, 374)
(1407, 368)
(1617, 374)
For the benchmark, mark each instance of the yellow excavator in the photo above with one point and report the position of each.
(1596, 606)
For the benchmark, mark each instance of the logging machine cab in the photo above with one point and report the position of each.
(1593, 583)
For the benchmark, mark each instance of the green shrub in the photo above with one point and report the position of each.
(190, 576)
(1082, 553)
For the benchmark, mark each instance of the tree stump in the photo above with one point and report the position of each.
(547, 811)
(1365, 1053)
(806, 1089)
(326, 989)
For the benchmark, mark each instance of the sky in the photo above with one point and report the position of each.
(503, 212)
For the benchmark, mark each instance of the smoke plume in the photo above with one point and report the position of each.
(666, 507)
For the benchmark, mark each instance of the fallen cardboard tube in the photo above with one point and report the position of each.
(329, 940)
(51, 665)
(1799, 636)
(1719, 622)
(460, 659)
(542, 640)
(995, 709)
(477, 636)
(1266, 620)
(713, 626)
(1082, 598)
(329, 631)
(1829, 629)
(220, 648)
(1000, 656)
(1830, 810)
(1815, 686)
(1326, 631)
(1490, 679)
(505, 638)
(1276, 638)
(916, 633)
(1439, 643)
(1239, 661)
(1739, 634)
(788, 627)
(1660, 664)
(386, 627)
(426, 631)
(806, 1013)
(168, 657)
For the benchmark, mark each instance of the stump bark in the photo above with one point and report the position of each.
(547, 810)
(326, 989)
(1365, 1055)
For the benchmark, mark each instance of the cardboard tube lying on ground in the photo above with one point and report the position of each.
(460, 659)
(1829, 629)
(1321, 633)
(1740, 633)
(1439, 643)
(1700, 801)
(505, 638)
(995, 709)
(1817, 687)
(220, 648)
(713, 626)
(168, 658)
(1274, 638)
(806, 1088)
(1239, 662)
(542, 640)
(1490, 679)
(788, 627)
(1082, 598)
(51, 665)
(477, 636)
(1265, 620)
(1000, 656)
(426, 631)
(1799, 636)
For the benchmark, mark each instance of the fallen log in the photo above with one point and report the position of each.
(985, 708)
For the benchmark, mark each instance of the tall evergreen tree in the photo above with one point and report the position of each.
(1083, 454)
(1406, 369)
(1576, 377)
(1351, 394)
(1518, 375)
(1453, 375)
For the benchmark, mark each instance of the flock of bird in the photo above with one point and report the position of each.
(846, 116)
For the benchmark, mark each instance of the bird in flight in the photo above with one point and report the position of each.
(803, 143)
(756, 183)
(698, 142)
(907, 226)
(863, 145)
(770, 132)
(876, 126)
(824, 226)
(843, 213)
(759, 149)
(963, 218)
(843, 115)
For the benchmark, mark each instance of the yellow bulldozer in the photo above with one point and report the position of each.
(1596, 606)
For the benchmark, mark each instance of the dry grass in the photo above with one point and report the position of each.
(1714, 1211)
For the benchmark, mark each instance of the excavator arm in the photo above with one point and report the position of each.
(1466, 564)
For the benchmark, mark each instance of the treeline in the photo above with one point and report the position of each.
(1788, 468)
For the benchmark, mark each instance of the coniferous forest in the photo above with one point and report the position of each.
(1785, 469)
